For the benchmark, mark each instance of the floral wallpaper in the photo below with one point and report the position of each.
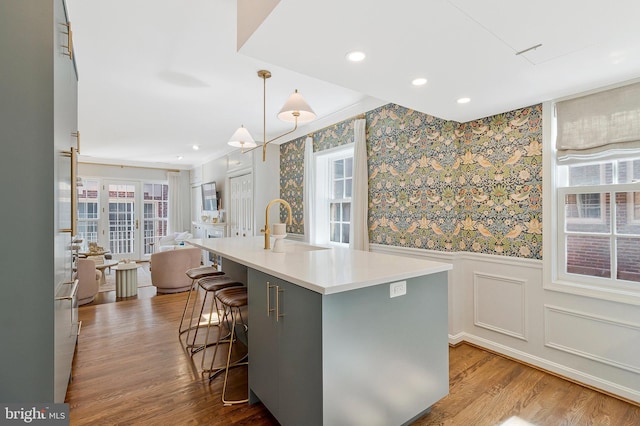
(439, 184)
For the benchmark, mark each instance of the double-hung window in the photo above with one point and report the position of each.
(598, 217)
(334, 178)
(597, 183)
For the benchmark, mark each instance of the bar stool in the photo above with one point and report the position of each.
(232, 301)
(210, 285)
(195, 274)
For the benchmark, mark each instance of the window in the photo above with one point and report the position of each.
(88, 212)
(599, 232)
(156, 207)
(334, 178)
(340, 199)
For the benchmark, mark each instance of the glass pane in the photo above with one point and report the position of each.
(346, 212)
(588, 255)
(335, 212)
(338, 189)
(345, 233)
(335, 232)
(628, 254)
(587, 212)
(348, 167)
(593, 174)
(628, 171)
(338, 169)
(628, 213)
(348, 183)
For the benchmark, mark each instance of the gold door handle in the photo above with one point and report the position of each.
(137, 223)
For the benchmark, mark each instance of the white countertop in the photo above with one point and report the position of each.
(326, 271)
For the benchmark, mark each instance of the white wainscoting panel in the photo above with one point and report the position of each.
(604, 341)
(499, 304)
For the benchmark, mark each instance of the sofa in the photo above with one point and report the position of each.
(173, 241)
(168, 269)
(88, 281)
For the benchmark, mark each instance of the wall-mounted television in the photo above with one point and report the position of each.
(209, 197)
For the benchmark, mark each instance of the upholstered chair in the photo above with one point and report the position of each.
(168, 269)
(88, 281)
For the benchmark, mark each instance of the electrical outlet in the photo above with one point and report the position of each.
(398, 289)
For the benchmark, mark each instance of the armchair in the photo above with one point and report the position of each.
(88, 281)
(168, 269)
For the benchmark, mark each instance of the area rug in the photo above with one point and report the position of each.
(144, 278)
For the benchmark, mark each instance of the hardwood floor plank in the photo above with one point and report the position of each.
(131, 368)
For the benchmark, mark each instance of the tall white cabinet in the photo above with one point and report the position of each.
(38, 119)
(252, 184)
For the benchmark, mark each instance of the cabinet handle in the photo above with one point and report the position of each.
(69, 45)
(269, 287)
(278, 314)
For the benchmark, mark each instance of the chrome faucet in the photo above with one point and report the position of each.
(266, 230)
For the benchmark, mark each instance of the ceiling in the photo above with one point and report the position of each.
(158, 76)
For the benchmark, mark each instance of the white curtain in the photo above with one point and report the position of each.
(359, 239)
(309, 191)
(175, 203)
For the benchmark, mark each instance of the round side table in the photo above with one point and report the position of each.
(126, 279)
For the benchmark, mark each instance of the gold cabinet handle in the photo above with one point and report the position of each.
(76, 134)
(69, 45)
(269, 309)
(72, 293)
(278, 314)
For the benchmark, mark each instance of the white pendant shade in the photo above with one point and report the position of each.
(296, 105)
(241, 138)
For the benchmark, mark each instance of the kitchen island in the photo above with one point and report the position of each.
(339, 336)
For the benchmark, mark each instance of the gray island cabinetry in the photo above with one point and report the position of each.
(285, 366)
(339, 336)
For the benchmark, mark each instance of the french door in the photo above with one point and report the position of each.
(121, 214)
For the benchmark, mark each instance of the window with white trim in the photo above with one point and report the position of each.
(334, 179)
(596, 250)
(599, 230)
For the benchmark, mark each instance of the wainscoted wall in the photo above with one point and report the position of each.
(470, 195)
(499, 303)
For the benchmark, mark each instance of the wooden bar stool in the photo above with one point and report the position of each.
(210, 285)
(195, 274)
(232, 301)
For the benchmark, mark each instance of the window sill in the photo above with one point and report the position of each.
(619, 293)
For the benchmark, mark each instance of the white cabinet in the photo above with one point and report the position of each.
(241, 205)
(252, 183)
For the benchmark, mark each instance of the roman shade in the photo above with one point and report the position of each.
(599, 125)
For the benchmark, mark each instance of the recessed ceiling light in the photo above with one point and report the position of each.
(179, 157)
(195, 147)
(419, 81)
(356, 56)
(464, 100)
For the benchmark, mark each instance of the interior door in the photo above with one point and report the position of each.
(121, 217)
(241, 205)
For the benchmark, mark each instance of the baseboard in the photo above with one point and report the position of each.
(614, 390)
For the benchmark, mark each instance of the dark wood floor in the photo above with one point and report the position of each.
(130, 368)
